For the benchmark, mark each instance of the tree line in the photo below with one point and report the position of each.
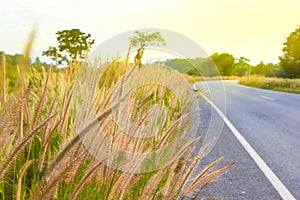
(228, 65)
(74, 45)
(225, 64)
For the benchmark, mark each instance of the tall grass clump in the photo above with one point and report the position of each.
(278, 84)
(46, 126)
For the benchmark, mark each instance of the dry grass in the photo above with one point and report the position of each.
(279, 84)
(194, 79)
(43, 127)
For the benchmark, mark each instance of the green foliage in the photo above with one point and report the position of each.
(143, 39)
(39, 65)
(181, 65)
(268, 70)
(224, 62)
(195, 67)
(13, 62)
(242, 67)
(73, 46)
(290, 60)
(217, 64)
(55, 55)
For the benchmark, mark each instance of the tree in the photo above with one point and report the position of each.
(39, 65)
(73, 45)
(55, 55)
(268, 70)
(224, 63)
(290, 60)
(37, 61)
(242, 67)
(143, 39)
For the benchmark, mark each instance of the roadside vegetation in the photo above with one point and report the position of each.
(270, 83)
(194, 79)
(46, 110)
(278, 84)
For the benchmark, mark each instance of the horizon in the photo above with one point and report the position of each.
(252, 29)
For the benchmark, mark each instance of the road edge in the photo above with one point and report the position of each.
(278, 185)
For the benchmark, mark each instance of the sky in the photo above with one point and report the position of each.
(255, 29)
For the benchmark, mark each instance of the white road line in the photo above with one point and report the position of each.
(278, 185)
(268, 98)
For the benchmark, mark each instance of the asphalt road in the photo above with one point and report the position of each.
(270, 123)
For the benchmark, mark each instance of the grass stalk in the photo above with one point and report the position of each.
(4, 78)
(23, 171)
(18, 148)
